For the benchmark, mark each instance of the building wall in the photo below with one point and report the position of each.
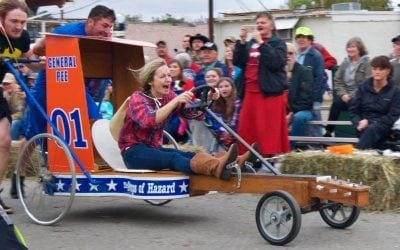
(154, 32)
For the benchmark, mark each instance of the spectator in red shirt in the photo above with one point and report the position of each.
(147, 113)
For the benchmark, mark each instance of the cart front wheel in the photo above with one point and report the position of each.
(45, 200)
(338, 215)
(278, 217)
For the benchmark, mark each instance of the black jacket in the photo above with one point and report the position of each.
(300, 88)
(271, 68)
(382, 108)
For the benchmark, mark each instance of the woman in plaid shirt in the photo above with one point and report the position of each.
(147, 113)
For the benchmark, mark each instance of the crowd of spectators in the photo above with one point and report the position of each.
(279, 88)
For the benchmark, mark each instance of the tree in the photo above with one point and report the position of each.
(365, 4)
(168, 18)
(134, 18)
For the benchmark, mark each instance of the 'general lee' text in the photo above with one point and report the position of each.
(61, 64)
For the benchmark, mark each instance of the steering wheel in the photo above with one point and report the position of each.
(194, 109)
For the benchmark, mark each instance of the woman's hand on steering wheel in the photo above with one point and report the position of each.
(204, 95)
(184, 97)
(213, 95)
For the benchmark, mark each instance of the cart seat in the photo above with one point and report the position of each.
(108, 148)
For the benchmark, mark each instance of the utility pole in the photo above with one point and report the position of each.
(211, 20)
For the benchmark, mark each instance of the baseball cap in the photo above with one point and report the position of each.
(32, 75)
(161, 42)
(209, 46)
(230, 39)
(396, 39)
(303, 31)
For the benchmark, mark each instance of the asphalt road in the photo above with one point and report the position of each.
(214, 221)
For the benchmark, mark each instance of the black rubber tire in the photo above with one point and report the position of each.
(338, 215)
(287, 215)
(158, 202)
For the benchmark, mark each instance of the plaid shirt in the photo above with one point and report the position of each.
(140, 121)
(233, 123)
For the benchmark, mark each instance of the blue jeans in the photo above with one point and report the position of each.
(141, 156)
(299, 124)
(315, 130)
(17, 129)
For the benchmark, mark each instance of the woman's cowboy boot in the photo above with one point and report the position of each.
(221, 167)
(248, 160)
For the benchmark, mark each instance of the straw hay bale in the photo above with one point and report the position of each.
(15, 154)
(381, 173)
(13, 157)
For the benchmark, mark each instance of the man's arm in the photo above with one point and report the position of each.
(36, 53)
(39, 48)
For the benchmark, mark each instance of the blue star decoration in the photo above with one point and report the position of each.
(183, 187)
(112, 185)
(60, 185)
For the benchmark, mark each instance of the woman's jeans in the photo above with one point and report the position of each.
(299, 124)
(141, 156)
(315, 130)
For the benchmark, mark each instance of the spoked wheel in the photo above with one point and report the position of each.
(45, 201)
(338, 215)
(278, 217)
(195, 109)
(169, 141)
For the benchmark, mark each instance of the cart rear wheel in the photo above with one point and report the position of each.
(42, 202)
(278, 217)
(338, 215)
(169, 140)
(158, 202)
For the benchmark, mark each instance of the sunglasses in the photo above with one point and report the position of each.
(290, 53)
(6, 83)
(19, 66)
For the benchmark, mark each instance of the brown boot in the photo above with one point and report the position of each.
(206, 164)
(247, 160)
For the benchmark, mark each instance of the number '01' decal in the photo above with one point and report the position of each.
(63, 120)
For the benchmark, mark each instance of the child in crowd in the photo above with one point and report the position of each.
(227, 107)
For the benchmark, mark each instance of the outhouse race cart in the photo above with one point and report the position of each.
(69, 160)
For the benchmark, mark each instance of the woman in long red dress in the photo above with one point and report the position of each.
(261, 86)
